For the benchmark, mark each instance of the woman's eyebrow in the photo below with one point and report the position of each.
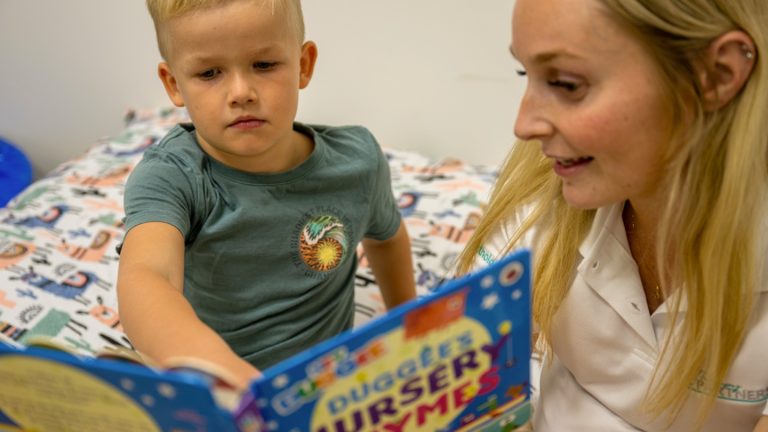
(547, 56)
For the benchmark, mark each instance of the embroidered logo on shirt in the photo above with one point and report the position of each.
(485, 255)
(321, 240)
(733, 392)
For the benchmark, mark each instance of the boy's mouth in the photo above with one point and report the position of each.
(246, 122)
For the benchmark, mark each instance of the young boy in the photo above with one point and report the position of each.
(242, 226)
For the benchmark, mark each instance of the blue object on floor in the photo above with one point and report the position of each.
(15, 171)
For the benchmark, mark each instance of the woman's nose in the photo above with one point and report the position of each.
(532, 121)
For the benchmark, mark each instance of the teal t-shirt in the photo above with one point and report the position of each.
(270, 258)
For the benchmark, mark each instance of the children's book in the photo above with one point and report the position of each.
(456, 359)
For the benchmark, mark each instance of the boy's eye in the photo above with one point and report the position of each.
(264, 65)
(208, 74)
(521, 72)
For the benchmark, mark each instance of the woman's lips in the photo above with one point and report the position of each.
(571, 166)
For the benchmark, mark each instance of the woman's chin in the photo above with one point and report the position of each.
(585, 200)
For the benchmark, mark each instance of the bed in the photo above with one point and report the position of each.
(58, 263)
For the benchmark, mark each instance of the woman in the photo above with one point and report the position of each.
(641, 182)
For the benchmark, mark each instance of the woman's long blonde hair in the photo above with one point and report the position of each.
(717, 175)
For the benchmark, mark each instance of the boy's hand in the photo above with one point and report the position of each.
(238, 377)
(392, 266)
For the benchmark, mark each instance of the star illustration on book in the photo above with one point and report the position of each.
(166, 390)
(280, 381)
(127, 384)
(516, 294)
(490, 301)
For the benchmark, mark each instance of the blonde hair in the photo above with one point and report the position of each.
(164, 10)
(717, 175)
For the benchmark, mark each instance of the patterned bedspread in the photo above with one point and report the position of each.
(58, 263)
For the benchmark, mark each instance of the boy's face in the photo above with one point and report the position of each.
(238, 69)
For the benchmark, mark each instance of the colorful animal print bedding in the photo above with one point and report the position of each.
(58, 263)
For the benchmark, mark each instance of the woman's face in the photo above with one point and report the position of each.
(593, 99)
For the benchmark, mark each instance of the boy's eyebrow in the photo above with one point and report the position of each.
(205, 57)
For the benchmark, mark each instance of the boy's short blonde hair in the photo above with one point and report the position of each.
(164, 10)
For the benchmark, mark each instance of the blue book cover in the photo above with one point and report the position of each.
(454, 360)
(42, 389)
(457, 359)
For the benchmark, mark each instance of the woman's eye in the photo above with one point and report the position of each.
(566, 85)
(521, 72)
(264, 65)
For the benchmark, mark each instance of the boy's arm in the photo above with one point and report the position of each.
(392, 266)
(157, 318)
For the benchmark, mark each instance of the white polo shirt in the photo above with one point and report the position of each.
(606, 345)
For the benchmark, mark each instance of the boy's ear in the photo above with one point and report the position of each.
(170, 84)
(308, 59)
(727, 64)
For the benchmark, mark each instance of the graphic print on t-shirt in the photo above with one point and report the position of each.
(321, 239)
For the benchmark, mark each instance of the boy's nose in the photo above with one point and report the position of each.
(241, 91)
(532, 122)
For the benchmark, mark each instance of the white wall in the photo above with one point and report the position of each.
(432, 76)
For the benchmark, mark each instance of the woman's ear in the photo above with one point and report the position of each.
(726, 66)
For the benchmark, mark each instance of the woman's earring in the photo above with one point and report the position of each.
(747, 52)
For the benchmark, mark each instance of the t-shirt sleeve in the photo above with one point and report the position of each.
(385, 213)
(158, 191)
